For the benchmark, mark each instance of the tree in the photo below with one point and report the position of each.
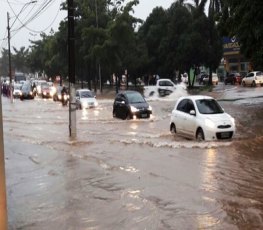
(20, 59)
(4, 63)
(152, 34)
(244, 20)
(212, 51)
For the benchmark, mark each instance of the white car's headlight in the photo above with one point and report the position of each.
(84, 104)
(209, 123)
(232, 120)
(95, 103)
(133, 109)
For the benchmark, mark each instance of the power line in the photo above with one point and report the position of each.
(41, 9)
(17, 16)
(38, 31)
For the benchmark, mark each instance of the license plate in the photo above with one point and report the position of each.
(225, 135)
(144, 115)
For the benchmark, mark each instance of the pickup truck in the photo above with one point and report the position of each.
(253, 79)
(162, 88)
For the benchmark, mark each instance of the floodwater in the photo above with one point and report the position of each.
(132, 174)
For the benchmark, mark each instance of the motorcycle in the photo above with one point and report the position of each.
(65, 99)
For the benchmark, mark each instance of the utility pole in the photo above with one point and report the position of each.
(3, 205)
(97, 24)
(9, 54)
(71, 71)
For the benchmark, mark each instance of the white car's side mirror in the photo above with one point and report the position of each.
(192, 112)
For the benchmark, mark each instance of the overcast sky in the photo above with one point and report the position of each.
(47, 18)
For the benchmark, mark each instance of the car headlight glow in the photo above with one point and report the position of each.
(150, 108)
(209, 123)
(84, 104)
(232, 120)
(95, 103)
(134, 109)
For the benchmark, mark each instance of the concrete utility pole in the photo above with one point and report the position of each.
(71, 71)
(97, 25)
(3, 205)
(9, 54)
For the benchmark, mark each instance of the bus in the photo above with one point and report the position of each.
(19, 77)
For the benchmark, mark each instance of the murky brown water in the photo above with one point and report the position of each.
(129, 174)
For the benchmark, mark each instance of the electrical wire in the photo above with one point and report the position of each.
(41, 31)
(41, 9)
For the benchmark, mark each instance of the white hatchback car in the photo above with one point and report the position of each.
(85, 99)
(201, 118)
(253, 78)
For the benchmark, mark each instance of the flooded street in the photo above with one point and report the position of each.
(132, 174)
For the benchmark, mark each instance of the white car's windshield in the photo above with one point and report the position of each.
(208, 106)
(86, 94)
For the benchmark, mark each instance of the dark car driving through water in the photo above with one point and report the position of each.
(130, 105)
(26, 91)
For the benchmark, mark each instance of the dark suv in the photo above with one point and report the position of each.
(233, 78)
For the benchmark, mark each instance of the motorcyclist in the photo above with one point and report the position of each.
(64, 90)
(63, 93)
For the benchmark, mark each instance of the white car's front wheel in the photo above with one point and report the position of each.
(200, 135)
(173, 128)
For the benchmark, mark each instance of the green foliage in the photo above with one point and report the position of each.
(4, 63)
(243, 19)
(107, 35)
(180, 38)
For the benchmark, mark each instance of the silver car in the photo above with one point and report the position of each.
(85, 99)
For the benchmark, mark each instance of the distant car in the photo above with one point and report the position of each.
(201, 118)
(85, 99)
(26, 92)
(253, 79)
(38, 86)
(17, 90)
(162, 88)
(201, 78)
(45, 91)
(131, 104)
(214, 79)
(233, 78)
(243, 74)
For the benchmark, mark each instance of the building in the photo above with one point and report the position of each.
(233, 60)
